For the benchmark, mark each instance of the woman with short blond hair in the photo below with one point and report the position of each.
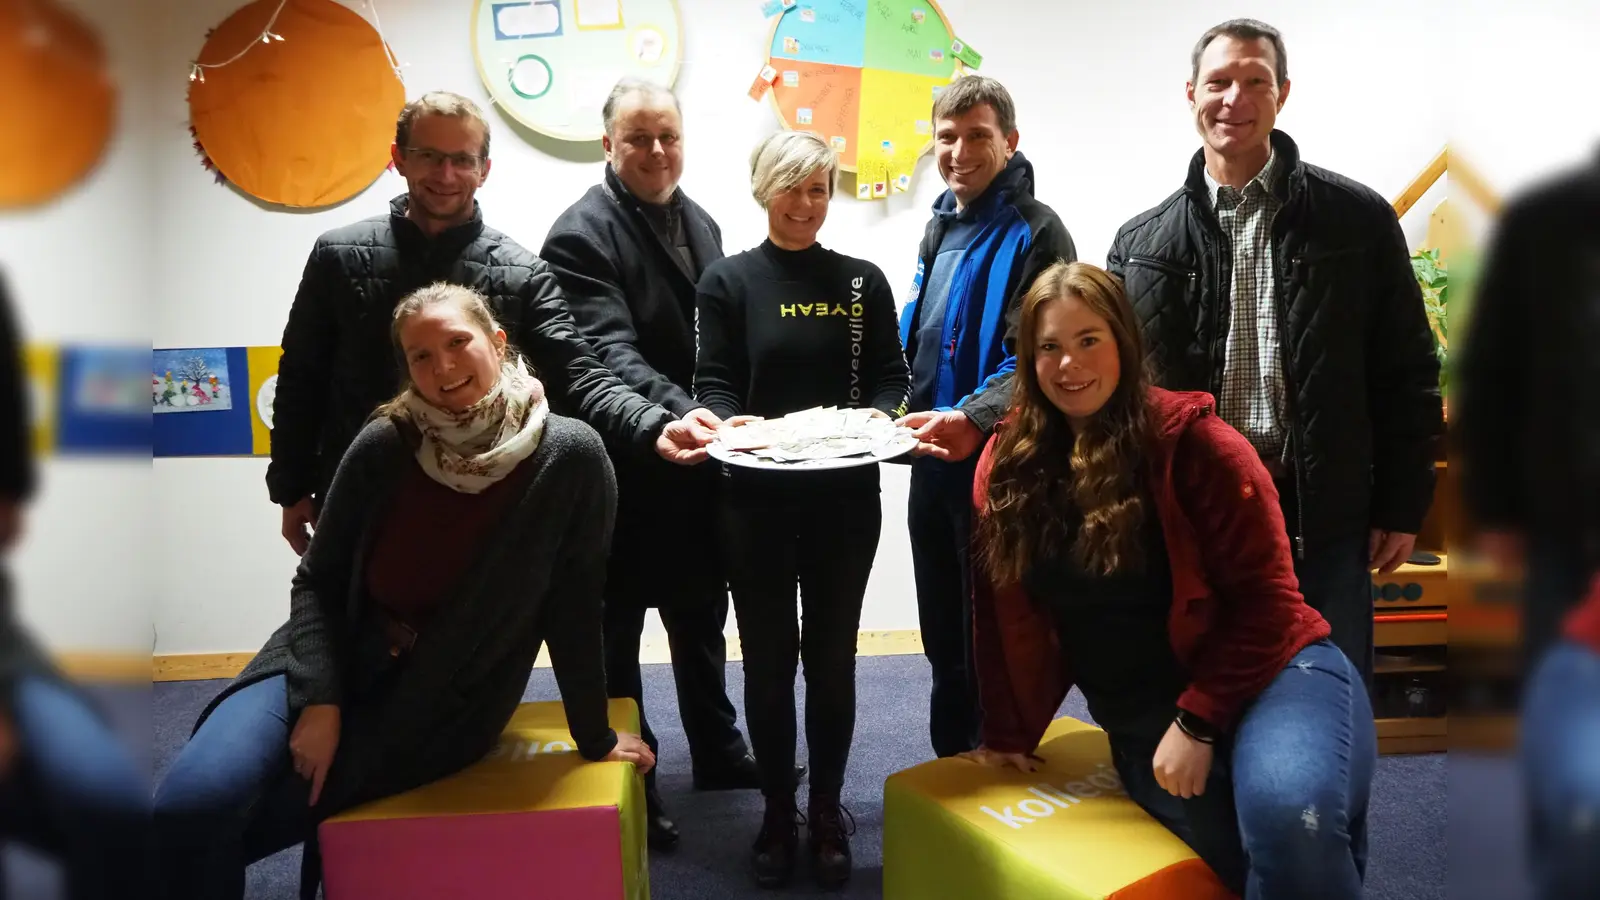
(785, 327)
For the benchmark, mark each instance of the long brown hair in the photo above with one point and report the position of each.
(1044, 476)
(469, 301)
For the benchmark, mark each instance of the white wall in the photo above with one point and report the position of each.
(1099, 89)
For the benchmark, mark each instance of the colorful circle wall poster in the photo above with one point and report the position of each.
(862, 75)
(549, 64)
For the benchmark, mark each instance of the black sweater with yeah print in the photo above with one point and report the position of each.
(780, 331)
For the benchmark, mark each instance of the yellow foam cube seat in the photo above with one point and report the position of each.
(955, 829)
(532, 819)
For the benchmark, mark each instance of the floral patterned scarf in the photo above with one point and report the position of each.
(471, 450)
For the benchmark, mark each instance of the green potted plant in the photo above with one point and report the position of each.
(1433, 277)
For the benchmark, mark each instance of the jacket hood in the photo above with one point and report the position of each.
(1173, 411)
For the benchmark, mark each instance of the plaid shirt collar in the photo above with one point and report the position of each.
(1263, 179)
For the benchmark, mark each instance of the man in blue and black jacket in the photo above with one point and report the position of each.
(987, 241)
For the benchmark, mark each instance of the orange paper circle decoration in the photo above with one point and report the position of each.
(60, 104)
(305, 121)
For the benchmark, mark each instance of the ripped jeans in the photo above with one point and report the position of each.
(1284, 812)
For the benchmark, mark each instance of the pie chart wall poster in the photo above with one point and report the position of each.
(550, 63)
(862, 75)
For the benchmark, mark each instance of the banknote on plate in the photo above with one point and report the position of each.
(824, 437)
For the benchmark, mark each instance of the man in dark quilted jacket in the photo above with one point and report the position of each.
(1285, 291)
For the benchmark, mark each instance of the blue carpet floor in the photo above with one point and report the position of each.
(1407, 819)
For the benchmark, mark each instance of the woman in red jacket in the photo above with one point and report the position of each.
(1130, 542)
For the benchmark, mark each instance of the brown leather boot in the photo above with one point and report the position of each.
(774, 850)
(828, 833)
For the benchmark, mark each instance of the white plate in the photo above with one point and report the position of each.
(895, 446)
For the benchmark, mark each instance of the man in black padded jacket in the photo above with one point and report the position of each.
(337, 365)
(1285, 290)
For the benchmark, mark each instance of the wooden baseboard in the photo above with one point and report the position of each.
(206, 666)
(117, 667)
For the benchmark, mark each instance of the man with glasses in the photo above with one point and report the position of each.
(337, 364)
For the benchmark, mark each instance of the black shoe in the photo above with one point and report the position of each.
(740, 774)
(773, 854)
(828, 840)
(660, 833)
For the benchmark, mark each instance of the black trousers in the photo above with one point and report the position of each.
(1336, 582)
(659, 559)
(694, 618)
(824, 541)
(940, 521)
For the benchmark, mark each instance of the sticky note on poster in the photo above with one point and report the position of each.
(763, 82)
(791, 78)
(802, 116)
(964, 52)
(649, 45)
(863, 190)
(595, 15)
(902, 183)
(771, 8)
(880, 189)
(528, 19)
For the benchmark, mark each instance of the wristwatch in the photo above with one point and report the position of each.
(1197, 728)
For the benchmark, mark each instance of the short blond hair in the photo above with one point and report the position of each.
(787, 158)
(439, 103)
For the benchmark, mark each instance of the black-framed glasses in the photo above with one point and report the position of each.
(433, 159)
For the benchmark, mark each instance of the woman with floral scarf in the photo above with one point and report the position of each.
(467, 525)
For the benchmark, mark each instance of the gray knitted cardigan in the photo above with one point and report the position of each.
(538, 578)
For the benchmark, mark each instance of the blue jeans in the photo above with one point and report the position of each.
(231, 797)
(1284, 812)
(1561, 771)
(76, 793)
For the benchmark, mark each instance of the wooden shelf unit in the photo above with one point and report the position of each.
(1411, 608)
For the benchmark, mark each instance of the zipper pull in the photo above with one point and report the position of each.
(1299, 547)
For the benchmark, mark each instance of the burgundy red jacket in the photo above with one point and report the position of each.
(1583, 623)
(1237, 614)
